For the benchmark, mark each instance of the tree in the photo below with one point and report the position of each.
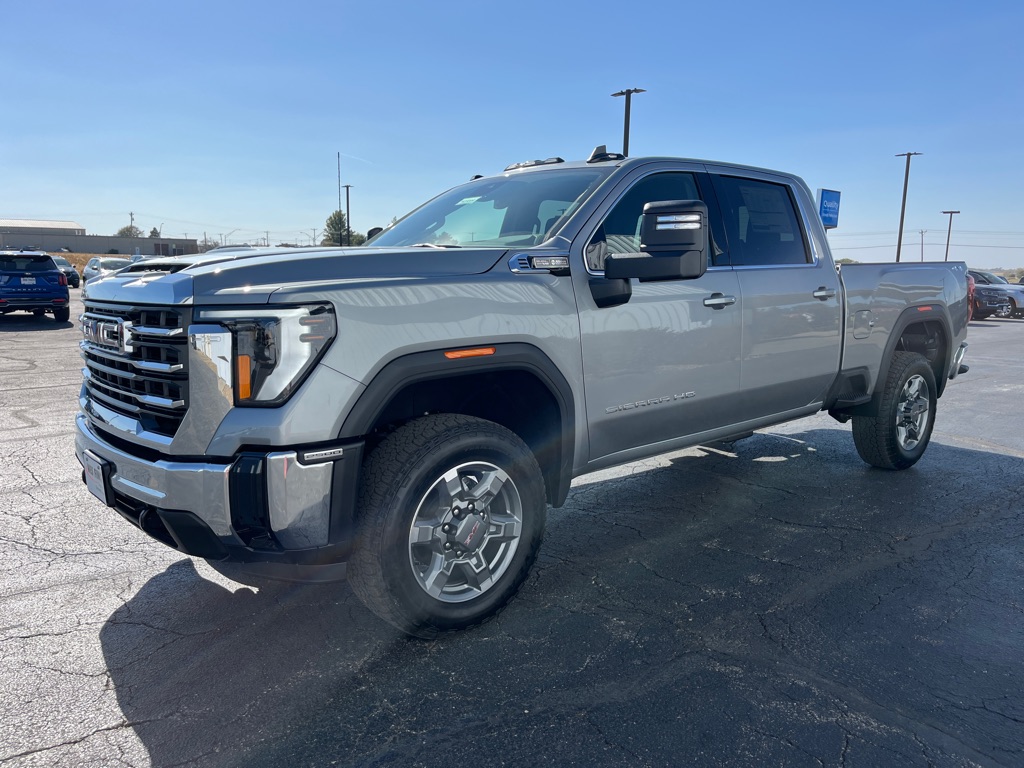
(129, 231)
(335, 228)
(335, 231)
(154, 232)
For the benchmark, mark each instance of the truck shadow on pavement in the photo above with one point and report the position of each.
(778, 599)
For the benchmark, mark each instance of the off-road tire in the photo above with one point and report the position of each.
(897, 437)
(413, 479)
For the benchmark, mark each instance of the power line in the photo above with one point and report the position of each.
(957, 245)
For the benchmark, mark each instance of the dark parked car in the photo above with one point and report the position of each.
(65, 266)
(987, 302)
(99, 266)
(31, 282)
(992, 284)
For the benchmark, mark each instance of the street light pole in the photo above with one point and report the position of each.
(949, 232)
(903, 207)
(628, 93)
(348, 222)
(922, 231)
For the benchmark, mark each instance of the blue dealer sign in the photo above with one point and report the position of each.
(828, 207)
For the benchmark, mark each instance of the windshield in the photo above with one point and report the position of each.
(518, 209)
(113, 263)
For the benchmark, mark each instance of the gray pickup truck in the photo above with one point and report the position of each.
(408, 409)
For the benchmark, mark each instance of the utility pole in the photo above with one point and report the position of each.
(339, 185)
(922, 231)
(949, 232)
(903, 207)
(628, 93)
(348, 221)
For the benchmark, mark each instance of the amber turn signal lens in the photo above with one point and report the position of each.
(244, 365)
(458, 354)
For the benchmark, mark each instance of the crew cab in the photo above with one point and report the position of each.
(407, 410)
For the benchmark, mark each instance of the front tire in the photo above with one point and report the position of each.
(451, 517)
(897, 437)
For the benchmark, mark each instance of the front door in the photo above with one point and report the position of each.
(667, 363)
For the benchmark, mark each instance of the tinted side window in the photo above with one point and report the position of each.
(620, 230)
(760, 222)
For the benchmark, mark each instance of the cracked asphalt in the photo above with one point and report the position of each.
(779, 603)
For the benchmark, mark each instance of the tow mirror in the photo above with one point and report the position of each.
(673, 244)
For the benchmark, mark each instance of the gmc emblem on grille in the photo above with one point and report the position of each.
(115, 333)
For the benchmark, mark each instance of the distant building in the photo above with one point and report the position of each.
(39, 227)
(55, 236)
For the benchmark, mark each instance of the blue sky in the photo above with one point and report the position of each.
(227, 118)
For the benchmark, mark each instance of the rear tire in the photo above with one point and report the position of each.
(62, 315)
(897, 437)
(451, 517)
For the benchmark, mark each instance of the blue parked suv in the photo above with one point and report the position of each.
(30, 281)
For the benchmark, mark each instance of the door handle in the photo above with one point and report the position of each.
(824, 294)
(719, 301)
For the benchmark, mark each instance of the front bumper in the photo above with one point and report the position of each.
(986, 306)
(289, 507)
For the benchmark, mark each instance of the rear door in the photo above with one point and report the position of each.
(792, 316)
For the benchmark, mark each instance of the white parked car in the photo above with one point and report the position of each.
(103, 265)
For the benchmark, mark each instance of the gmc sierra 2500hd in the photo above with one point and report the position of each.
(411, 407)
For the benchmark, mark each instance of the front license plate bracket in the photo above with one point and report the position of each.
(97, 476)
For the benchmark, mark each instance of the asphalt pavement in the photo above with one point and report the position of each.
(776, 603)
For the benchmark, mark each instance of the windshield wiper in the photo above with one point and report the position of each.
(434, 245)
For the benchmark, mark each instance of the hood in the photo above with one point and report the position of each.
(251, 276)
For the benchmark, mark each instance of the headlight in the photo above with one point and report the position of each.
(273, 348)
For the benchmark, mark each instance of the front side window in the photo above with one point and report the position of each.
(517, 209)
(760, 222)
(620, 230)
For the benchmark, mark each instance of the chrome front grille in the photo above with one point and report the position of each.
(136, 361)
